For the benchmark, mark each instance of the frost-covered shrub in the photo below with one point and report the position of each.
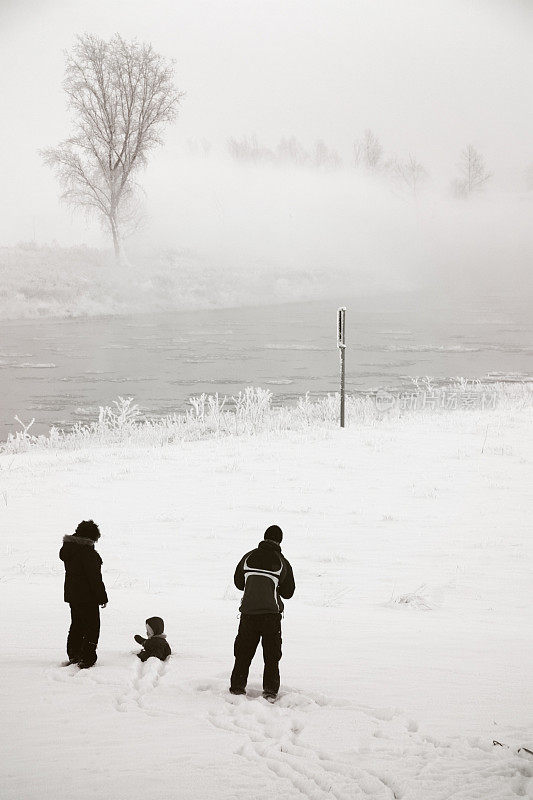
(248, 413)
(416, 599)
(124, 415)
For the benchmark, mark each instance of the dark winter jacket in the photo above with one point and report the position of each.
(155, 645)
(83, 575)
(266, 576)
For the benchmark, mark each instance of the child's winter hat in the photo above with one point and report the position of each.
(274, 533)
(156, 625)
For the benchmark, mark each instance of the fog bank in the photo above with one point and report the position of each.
(232, 235)
(361, 230)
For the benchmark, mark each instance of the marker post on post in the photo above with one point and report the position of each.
(341, 344)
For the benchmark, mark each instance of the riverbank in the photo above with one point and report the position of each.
(39, 281)
(405, 652)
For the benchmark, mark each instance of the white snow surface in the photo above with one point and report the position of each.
(407, 645)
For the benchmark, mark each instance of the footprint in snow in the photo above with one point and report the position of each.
(145, 679)
(272, 735)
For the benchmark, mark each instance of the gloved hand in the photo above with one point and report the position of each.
(139, 639)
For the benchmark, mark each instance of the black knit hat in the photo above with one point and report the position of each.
(274, 533)
(156, 624)
(88, 529)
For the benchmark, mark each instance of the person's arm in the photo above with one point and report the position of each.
(93, 569)
(287, 586)
(238, 578)
(139, 639)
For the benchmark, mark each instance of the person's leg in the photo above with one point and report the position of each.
(244, 650)
(271, 641)
(91, 633)
(75, 634)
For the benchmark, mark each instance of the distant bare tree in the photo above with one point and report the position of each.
(249, 149)
(408, 175)
(324, 157)
(122, 94)
(474, 175)
(199, 147)
(357, 153)
(292, 151)
(368, 152)
(372, 150)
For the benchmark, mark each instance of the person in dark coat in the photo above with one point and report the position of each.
(156, 642)
(265, 576)
(84, 592)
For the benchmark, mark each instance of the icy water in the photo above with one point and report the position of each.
(59, 371)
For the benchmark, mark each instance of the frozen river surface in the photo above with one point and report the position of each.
(61, 370)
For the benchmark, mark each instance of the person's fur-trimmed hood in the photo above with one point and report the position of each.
(80, 540)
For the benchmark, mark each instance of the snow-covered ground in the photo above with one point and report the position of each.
(407, 646)
(52, 281)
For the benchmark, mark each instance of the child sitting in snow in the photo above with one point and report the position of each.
(156, 642)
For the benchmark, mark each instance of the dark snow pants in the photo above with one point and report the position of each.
(252, 628)
(84, 632)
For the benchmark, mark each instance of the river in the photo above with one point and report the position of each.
(57, 371)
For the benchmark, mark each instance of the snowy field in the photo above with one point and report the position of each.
(407, 645)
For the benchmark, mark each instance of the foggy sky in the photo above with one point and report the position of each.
(428, 76)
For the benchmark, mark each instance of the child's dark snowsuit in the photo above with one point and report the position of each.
(85, 592)
(156, 644)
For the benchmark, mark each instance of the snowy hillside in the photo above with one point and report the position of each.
(406, 646)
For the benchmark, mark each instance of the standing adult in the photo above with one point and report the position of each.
(84, 592)
(265, 576)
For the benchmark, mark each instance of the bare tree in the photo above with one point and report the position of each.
(474, 175)
(372, 150)
(408, 175)
(121, 94)
(249, 149)
(324, 157)
(199, 147)
(291, 151)
(368, 152)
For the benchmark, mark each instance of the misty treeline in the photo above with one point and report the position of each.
(122, 95)
(407, 175)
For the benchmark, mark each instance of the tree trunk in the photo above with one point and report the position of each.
(116, 238)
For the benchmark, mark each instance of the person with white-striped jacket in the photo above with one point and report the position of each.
(265, 576)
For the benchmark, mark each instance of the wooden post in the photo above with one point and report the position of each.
(341, 344)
